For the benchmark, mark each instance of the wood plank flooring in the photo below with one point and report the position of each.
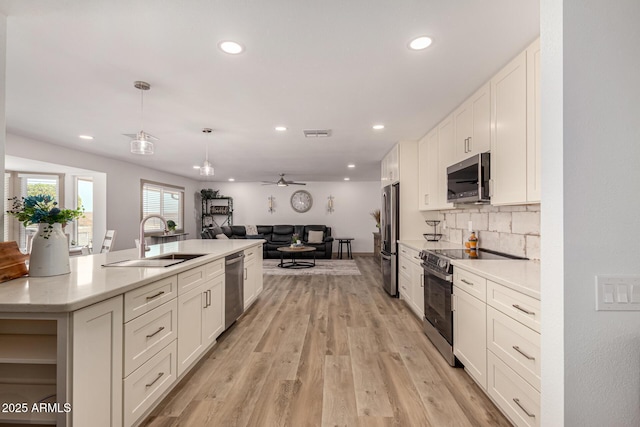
(326, 351)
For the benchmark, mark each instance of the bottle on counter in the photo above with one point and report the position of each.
(473, 241)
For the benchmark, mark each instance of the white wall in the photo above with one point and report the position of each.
(600, 141)
(123, 185)
(353, 202)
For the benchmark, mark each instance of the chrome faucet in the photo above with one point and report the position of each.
(144, 220)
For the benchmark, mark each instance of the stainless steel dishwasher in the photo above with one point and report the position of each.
(233, 288)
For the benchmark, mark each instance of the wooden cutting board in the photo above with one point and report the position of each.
(12, 260)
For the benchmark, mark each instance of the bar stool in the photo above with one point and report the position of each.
(344, 241)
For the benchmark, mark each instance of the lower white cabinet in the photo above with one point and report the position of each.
(97, 364)
(513, 395)
(470, 334)
(148, 383)
(213, 313)
(252, 275)
(411, 279)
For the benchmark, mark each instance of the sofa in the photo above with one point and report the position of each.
(278, 236)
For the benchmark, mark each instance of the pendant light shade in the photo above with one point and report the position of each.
(142, 144)
(207, 168)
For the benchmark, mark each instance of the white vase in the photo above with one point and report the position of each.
(49, 252)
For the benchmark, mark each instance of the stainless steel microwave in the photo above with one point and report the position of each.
(468, 181)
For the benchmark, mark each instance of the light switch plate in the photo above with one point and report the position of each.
(617, 293)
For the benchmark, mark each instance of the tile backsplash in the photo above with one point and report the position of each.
(511, 229)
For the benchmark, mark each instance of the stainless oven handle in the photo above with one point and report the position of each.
(446, 277)
(385, 257)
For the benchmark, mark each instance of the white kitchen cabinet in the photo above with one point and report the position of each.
(252, 275)
(515, 136)
(533, 123)
(389, 167)
(200, 311)
(97, 364)
(470, 334)
(428, 172)
(446, 157)
(410, 279)
(473, 125)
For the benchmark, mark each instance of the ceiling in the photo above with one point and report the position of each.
(330, 64)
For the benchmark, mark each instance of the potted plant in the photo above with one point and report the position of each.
(171, 225)
(376, 216)
(49, 247)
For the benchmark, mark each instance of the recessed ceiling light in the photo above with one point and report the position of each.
(346, 179)
(378, 127)
(230, 47)
(420, 43)
(89, 137)
(196, 167)
(281, 128)
(231, 179)
(351, 165)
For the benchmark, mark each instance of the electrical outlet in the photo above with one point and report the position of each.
(617, 293)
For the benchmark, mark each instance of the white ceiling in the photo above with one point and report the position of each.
(342, 65)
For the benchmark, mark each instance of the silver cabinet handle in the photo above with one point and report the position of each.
(468, 283)
(404, 268)
(491, 188)
(160, 329)
(418, 258)
(245, 273)
(469, 144)
(516, 348)
(529, 414)
(156, 380)
(155, 296)
(422, 280)
(209, 298)
(517, 307)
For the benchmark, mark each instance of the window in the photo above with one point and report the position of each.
(164, 200)
(83, 230)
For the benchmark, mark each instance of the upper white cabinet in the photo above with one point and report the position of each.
(389, 167)
(515, 136)
(446, 157)
(436, 152)
(473, 125)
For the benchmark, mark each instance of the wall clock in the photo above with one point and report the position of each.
(301, 201)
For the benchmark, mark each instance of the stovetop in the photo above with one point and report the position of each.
(440, 259)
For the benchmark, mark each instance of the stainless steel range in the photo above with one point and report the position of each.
(438, 289)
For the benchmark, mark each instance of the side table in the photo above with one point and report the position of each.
(376, 245)
(344, 241)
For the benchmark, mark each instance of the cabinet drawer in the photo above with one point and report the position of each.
(517, 345)
(517, 399)
(144, 336)
(191, 279)
(148, 297)
(404, 265)
(471, 283)
(214, 269)
(410, 253)
(145, 385)
(251, 253)
(523, 308)
(404, 285)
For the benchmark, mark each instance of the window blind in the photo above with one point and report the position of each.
(166, 201)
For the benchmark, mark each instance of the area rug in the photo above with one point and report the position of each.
(331, 267)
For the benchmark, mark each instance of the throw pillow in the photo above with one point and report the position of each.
(251, 230)
(222, 236)
(315, 237)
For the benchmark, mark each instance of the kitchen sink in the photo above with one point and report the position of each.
(157, 261)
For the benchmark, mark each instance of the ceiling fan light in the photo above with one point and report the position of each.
(206, 169)
(141, 145)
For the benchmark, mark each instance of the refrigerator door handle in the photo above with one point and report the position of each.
(385, 257)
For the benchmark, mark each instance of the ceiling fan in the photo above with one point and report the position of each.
(282, 182)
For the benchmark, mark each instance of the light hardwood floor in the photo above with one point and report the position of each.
(326, 351)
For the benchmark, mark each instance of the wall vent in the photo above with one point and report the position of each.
(317, 133)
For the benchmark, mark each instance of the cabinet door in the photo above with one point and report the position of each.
(190, 336)
(257, 272)
(213, 314)
(429, 197)
(446, 157)
(480, 140)
(470, 334)
(249, 283)
(463, 123)
(417, 278)
(509, 133)
(97, 364)
(533, 122)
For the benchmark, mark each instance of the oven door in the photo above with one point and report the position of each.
(437, 303)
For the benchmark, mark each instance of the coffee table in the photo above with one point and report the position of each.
(294, 263)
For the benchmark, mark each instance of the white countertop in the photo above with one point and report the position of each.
(89, 282)
(520, 275)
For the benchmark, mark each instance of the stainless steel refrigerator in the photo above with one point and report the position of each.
(390, 230)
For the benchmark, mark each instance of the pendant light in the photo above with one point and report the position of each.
(207, 168)
(142, 144)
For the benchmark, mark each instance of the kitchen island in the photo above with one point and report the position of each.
(103, 345)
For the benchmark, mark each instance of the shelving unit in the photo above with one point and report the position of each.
(33, 368)
(217, 212)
